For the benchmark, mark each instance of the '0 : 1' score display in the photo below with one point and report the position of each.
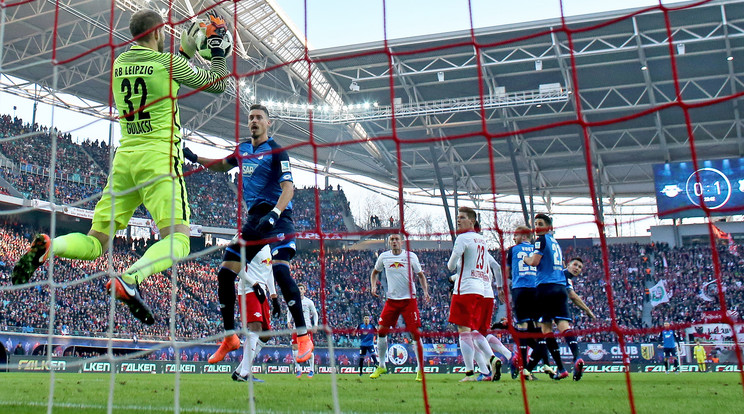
(720, 187)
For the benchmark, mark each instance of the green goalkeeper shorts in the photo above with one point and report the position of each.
(153, 179)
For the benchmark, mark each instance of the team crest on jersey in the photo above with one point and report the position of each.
(285, 166)
(397, 265)
(397, 354)
(537, 245)
(647, 351)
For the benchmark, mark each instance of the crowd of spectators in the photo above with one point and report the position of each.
(81, 173)
(685, 270)
(333, 207)
(36, 148)
(343, 294)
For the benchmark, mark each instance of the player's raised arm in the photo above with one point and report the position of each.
(534, 258)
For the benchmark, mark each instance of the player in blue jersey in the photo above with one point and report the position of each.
(523, 291)
(573, 269)
(669, 341)
(367, 345)
(551, 298)
(268, 189)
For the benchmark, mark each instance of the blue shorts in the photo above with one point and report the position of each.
(552, 300)
(525, 304)
(282, 236)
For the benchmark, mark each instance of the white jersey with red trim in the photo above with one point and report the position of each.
(308, 311)
(469, 255)
(400, 271)
(258, 270)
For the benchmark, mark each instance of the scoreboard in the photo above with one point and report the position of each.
(681, 190)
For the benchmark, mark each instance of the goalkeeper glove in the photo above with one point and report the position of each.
(260, 294)
(189, 155)
(268, 221)
(188, 41)
(276, 309)
(217, 40)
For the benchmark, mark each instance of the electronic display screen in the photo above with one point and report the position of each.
(679, 193)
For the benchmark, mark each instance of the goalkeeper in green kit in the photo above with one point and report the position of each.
(147, 167)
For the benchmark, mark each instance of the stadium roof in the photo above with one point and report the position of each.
(622, 63)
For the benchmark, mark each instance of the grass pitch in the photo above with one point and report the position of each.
(22, 393)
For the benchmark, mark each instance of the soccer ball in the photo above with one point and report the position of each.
(201, 42)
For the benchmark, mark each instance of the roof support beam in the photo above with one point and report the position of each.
(650, 90)
(732, 82)
(515, 168)
(442, 193)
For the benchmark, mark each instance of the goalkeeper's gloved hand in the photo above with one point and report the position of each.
(188, 41)
(268, 221)
(260, 294)
(276, 309)
(217, 40)
(189, 155)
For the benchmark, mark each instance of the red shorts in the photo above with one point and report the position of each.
(396, 307)
(254, 310)
(465, 310)
(484, 313)
(294, 337)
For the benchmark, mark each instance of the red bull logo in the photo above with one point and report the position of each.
(266, 262)
(397, 265)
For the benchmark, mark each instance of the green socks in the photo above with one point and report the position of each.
(77, 246)
(158, 257)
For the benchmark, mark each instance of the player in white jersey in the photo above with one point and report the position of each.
(494, 343)
(310, 313)
(255, 280)
(398, 267)
(470, 257)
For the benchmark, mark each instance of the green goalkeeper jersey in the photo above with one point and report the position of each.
(144, 82)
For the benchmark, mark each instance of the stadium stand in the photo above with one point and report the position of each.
(80, 174)
(82, 309)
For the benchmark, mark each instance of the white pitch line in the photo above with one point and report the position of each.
(148, 408)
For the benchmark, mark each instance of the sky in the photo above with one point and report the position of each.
(333, 23)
